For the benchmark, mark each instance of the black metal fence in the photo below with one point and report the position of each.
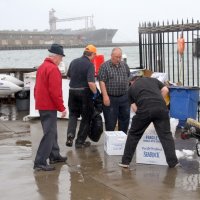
(159, 50)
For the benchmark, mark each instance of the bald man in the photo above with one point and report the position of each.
(113, 78)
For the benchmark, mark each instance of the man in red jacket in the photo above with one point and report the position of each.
(49, 100)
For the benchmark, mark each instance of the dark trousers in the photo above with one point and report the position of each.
(48, 147)
(80, 104)
(119, 109)
(140, 122)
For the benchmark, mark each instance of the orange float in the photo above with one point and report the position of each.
(181, 45)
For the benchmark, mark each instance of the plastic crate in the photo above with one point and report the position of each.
(184, 102)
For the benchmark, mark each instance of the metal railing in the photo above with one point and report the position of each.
(159, 51)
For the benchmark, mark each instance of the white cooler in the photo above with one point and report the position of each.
(114, 142)
(149, 149)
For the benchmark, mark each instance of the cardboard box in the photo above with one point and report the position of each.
(114, 142)
(149, 149)
(147, 73)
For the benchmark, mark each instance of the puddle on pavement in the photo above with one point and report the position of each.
(54, 185)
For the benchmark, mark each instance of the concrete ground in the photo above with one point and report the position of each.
(89, 174)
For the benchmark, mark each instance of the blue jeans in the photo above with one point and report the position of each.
(119, 109)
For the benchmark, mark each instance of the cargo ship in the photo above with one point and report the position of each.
(68, 38)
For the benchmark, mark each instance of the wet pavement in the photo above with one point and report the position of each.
(89, 174)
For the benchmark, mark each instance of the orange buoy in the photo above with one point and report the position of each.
(97, 61)
(181, 45)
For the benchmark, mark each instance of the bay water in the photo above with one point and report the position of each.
(33, 58)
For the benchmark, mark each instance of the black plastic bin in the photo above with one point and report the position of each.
(22, 100)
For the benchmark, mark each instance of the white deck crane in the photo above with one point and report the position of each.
(53, 20)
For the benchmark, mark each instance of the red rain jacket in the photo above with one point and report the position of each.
(48, 87)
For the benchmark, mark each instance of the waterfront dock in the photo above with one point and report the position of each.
(89, 173)
(16, 70)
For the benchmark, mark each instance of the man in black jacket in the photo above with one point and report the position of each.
(82, 88)
(146, 96)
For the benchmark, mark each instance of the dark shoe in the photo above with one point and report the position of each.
(69, 142)
(57, 160)
(82, 145)
(43, 168)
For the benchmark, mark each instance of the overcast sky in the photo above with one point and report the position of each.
(124, 15)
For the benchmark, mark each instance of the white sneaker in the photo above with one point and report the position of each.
(177, 165)
(123, 165)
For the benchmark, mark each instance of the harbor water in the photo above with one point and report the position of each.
(33, 58)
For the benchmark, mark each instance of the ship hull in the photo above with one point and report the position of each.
(97, 37)
(34, 40)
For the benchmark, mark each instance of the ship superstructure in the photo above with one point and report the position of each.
(68, 38)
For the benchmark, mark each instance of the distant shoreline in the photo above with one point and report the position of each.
(119, 44)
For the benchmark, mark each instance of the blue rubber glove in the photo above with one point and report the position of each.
(95, 95)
